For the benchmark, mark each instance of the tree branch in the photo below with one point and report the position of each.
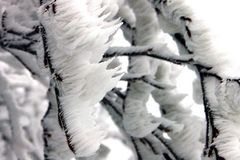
(47, 61)
(108, 102)
(147, 79)
(166, 145)
(149, 52)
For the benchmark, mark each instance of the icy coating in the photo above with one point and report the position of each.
(78, 34)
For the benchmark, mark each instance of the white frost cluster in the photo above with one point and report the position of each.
(222, 94)
(170, 103)
(136, 119)
(224, 101)
(78, 34)
(209, 47)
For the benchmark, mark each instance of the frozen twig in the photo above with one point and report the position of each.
(149, 52)
(147, 79)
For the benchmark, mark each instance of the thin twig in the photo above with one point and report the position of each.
(119, 93)
(46, 59)
(3, 20)
(139, 156)
(107, 101)
(22, 62)
(146, 141)
(146, 79)
(167, 146)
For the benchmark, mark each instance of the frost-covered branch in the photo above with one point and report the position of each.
(73, 64)
(145, 149)
(189, 136)
(53, 134)
(159, 53)
(20, 40)
(70, 41)
(215, 87)
(136, 119)
(147, 79)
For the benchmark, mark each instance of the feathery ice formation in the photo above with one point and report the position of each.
(221, 88)
(207, 45)
(137, 121)
(78, 33)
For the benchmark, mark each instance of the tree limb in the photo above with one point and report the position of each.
(149, 52)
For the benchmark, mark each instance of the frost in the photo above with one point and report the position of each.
(75, 58)
(219, 81)
(200, 38)
(67, 47)
(137, 121)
